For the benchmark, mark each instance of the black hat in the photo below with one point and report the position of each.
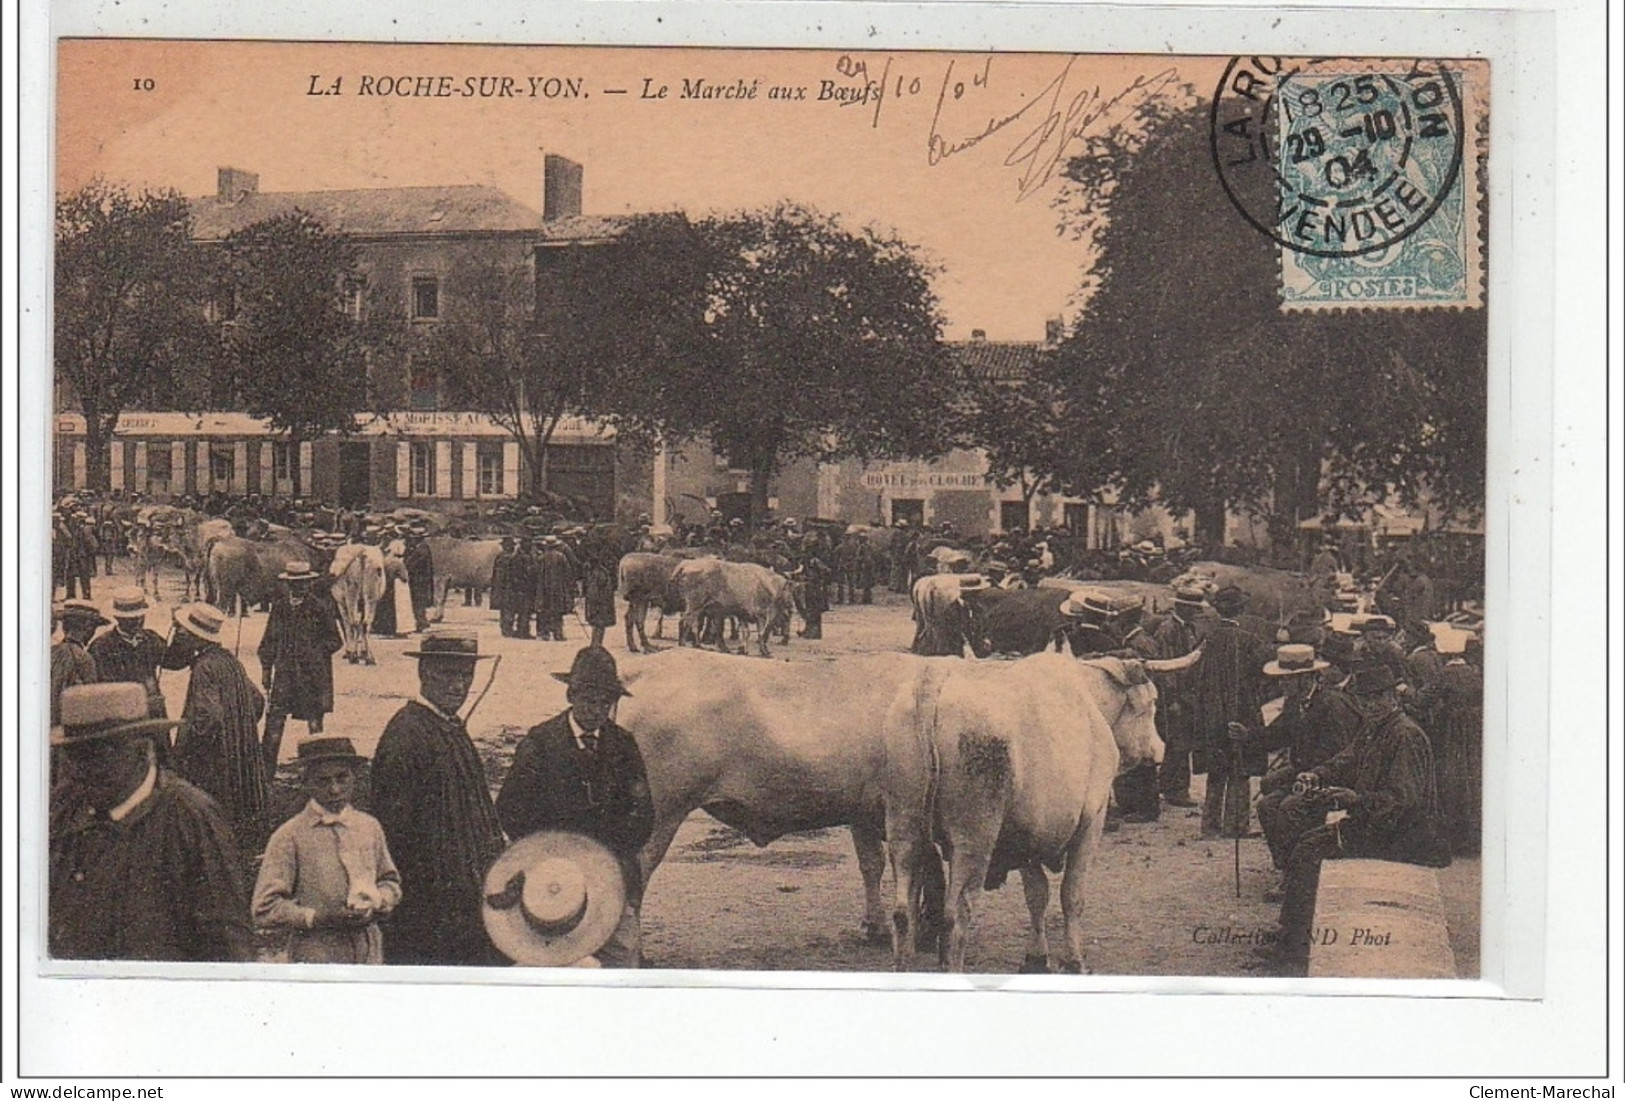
(451, 645)
(594, 667)
(328, 747)
(1228, 600)
(1373, 677)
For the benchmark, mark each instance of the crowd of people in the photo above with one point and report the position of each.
(158, 824)
(1364, 742)
(1375, 723)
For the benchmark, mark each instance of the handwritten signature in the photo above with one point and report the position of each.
(1044, 149)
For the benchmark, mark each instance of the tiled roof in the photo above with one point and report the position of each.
(389, 211)
(998, 361)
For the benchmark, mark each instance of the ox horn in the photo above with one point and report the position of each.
(1173, 665)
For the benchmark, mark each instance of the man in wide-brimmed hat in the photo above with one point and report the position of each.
(1176, 636)
(218, 747)
(555, 589)
(582, 773)
(132, 651)
(71, 660)
(1316, 722)
(430, 794)
(1227, 687)
(1385, 781)
(296, 656)
(143, 865)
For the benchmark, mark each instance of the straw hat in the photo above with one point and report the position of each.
(553, 898)
(298, 571)
(95, 712)
(1294, 658)
(130, 604)
(203, 620)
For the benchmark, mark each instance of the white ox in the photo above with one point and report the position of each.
(360, 575)
(713, 590)
(461, 564)
(899, 746)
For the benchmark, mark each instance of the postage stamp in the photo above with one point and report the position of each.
(1366, 174)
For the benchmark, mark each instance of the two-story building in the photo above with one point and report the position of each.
(415, 247)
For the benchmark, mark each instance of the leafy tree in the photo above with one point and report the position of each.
(300, 356)
(590, 331)
(129, 332)
(1021, 426)
(1205, 395)
(798, 337)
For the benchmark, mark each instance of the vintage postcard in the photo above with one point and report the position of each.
(760, 510)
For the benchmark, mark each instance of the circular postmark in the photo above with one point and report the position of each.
(1337, 157)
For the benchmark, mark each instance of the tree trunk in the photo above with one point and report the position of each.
(761, 474)
(296, 469)
(1297, 498)
(1210, 524)
(98, 471)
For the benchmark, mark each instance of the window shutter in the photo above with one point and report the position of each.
(200, 470)
(115, 458)
(267, 467)
(510, 469)
(471, 471)
(403, 470)
(79, 460)
(140, 483)
(239, 467)
(177, 466)
(442, 468)
(307, 463)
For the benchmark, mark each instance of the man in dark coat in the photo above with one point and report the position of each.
(1385, 780)
(522, 587)
(1317, 721)
(71, 660)
(430, 795)
(1228, 688)
(218, 746)
(502, 598)
(555, 589)
(600, 564)
(296, 656)
(580, 772)
(814, 577)
(142, 864)
(1175, 637)
(131, 651)
(420, 579)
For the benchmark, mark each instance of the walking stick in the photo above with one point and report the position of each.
(1236, 774)
(497, 661)
(237, 647)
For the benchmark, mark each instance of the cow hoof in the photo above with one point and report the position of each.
(875, 932)
(369, 660)
(1034, 965)
(1073, 967)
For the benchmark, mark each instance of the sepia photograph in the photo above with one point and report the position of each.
(745, 510)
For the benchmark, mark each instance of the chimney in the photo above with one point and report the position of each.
(979, 335)
(236, 185)
(1054, 331)
(561, 188)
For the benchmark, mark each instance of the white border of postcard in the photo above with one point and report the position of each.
(1538, 1009)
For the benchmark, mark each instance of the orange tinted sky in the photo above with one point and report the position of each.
(247, 105)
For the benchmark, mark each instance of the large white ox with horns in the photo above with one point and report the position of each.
(1004, 764)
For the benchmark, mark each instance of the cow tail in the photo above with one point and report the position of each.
(927, 697)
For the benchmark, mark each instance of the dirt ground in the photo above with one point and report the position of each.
(1161, 900)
